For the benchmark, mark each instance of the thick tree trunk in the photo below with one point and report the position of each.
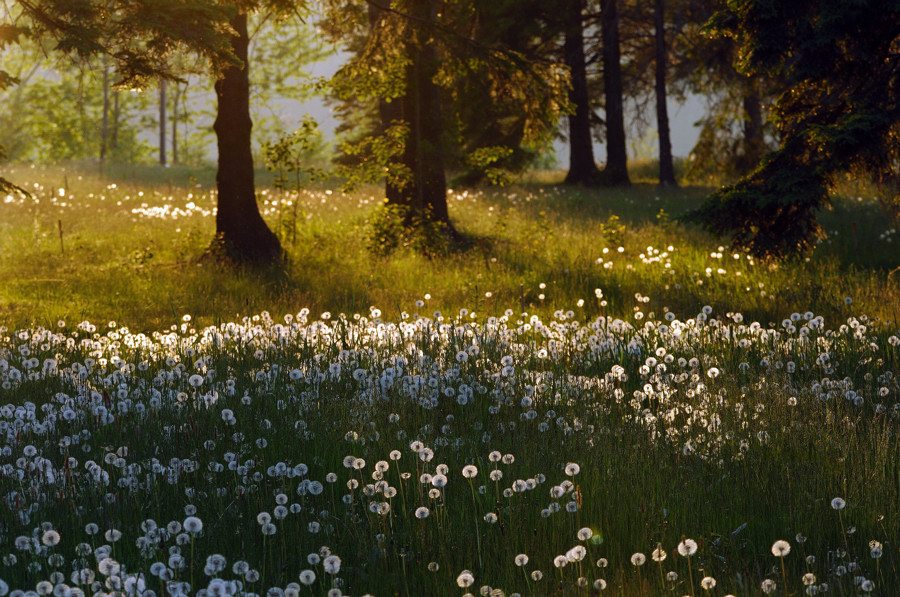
(616, 170)
(754, 141)
(162, 122)
(582, 168)
(241, 231)
(104, 125)
(666, 164)
(424, 196)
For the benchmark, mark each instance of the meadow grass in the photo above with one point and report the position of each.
(700, 404)
(114, 264)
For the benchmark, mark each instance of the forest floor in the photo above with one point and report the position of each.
(126, 248)
(610, 400)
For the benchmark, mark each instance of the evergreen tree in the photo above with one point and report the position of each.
(582, 167)
(241, 233)
(405, 83)
(143, 37)
(616, 170)
(838, 110)
(661, 61)
(735, 132)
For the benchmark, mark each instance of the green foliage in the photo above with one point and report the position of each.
(57, 115)
(489, 160)
(501, 98)
(140, 36)
(291, 156)
(770, 212)
(613, 230)
(723, 152)
(838, 111)
(393, 228)
(375, 158)
(282, 46)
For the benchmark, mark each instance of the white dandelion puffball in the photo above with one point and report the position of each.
(781, 548)
(193, 525)
(50, 538)
(838, 503)
(332, 564)
(465, 579)
(687, 548)
(469, 471)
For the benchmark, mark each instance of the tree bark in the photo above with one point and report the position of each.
(582, 168)
(114, 135)
(241, 232)
(162, 123)
(616, 170)
(754, 141)
(424, 196)
(666, 164)
(104, 126)
(175, 98)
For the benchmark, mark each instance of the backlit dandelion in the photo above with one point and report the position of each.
(687, 548)
(465, 579)
(781, 548)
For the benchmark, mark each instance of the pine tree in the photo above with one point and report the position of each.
(582, 167)
(838, 111)
(615, 172)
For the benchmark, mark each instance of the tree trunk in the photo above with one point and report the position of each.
(81, 104)
(241, 231)
(162, 123)
(616, 170)
(114, 136)
(582, 168)
(389, 112)
(104, 125)
(754, 141)
(424, 196)
(175, 98)
(666, 165)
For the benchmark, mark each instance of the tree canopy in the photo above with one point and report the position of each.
(837, 109)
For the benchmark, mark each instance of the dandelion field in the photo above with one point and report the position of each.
(556, 417)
